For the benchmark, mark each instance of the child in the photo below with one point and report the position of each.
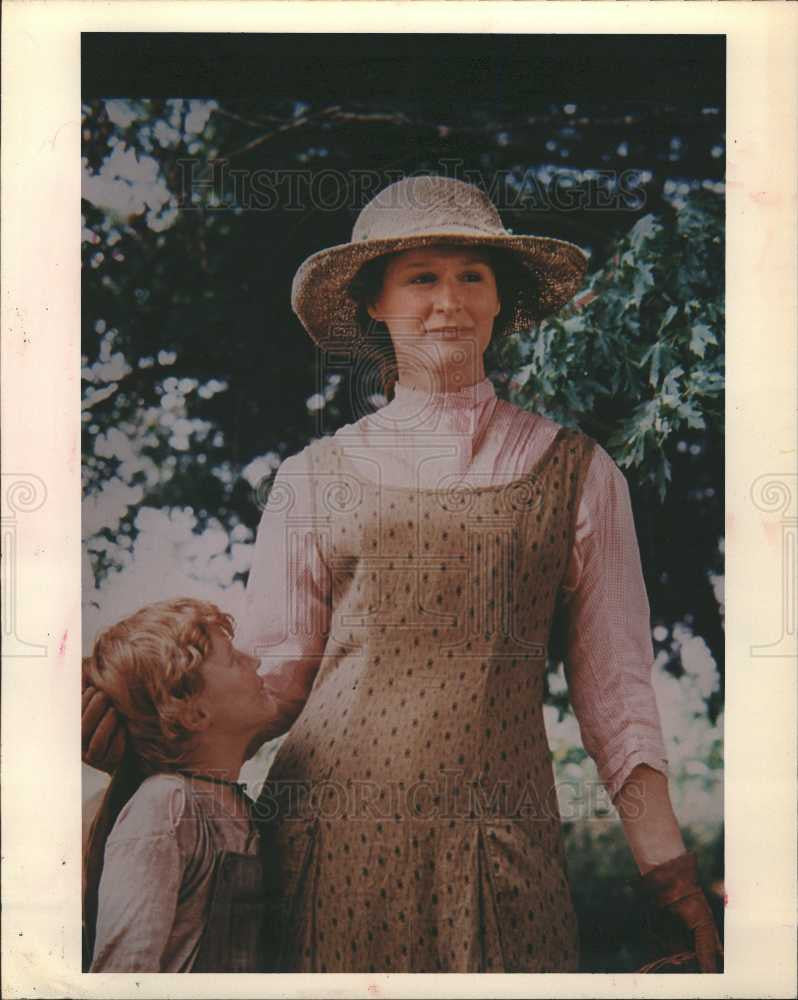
(174, 879)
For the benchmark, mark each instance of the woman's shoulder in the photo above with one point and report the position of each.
(318, 454)
(528, 420)
(528, 425)
(308, 458)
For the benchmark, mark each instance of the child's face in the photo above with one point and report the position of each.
(234, 695)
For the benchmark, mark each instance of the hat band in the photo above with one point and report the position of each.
(456, 229)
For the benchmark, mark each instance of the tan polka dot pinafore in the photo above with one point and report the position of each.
(413, 813)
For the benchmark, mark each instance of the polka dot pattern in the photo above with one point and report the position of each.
(416, 822)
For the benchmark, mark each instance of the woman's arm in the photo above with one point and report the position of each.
(287, 609)
(609, 654)
(649, 822)
(669, 872)
(609, 664)
(613, 668)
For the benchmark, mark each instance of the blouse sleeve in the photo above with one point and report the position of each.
(609, 655)
(287, 604)
(145, 860)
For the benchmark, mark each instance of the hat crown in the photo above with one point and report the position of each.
(429, 204)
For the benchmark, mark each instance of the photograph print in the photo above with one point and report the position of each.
(403, 502)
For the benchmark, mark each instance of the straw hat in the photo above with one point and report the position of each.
(424, 211)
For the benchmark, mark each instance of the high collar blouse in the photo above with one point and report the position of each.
(421, 439)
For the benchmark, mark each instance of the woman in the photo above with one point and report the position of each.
(422, 550)
(421, 553)
(174, 879)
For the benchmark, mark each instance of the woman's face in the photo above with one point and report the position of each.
(441, 296)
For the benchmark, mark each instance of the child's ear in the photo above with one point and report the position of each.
(203, 715)
(197, 716)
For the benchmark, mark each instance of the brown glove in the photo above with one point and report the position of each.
(673, 886)
(102, 732)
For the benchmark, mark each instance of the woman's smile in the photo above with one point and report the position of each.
(450, 331)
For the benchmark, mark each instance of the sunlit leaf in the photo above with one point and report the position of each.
(700, 336)
(666, 319)
(644, 230)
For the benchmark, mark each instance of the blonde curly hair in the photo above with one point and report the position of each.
(149, 666)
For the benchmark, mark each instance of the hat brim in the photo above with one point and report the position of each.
(320, 290)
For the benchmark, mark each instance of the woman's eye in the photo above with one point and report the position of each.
(422, 279)
(473, 276)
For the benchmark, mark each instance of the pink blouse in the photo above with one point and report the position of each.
(418, 439)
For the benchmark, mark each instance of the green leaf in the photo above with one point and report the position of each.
(575, 325)
(663, 476)
(670, 384)
(689, 412)
(521, 377)
(643, 230)
(706, 382)
(644, 281)
(671, 312)
(656, 360)
(700, 336)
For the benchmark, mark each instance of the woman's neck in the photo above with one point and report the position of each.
(439, 383)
